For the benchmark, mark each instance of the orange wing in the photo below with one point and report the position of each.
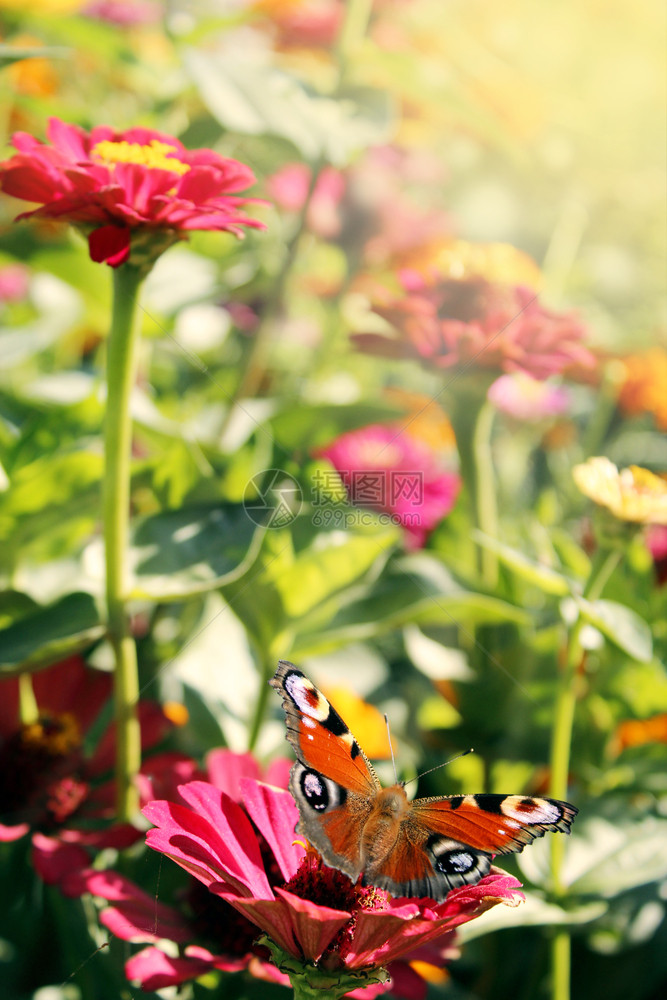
(320, 738)
(499, 824)
(448, 842)
(333, 782)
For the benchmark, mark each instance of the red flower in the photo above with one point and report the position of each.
(138, 186)
(387, 469)
(49, 788)
(317, 916)
(459, 323)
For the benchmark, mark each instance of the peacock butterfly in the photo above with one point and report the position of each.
(421, 848)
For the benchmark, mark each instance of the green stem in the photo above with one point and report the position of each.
(352, 33)
(278, 649)
(255, 363)
(28, 709)
(472, 419)
(603, 566)
(121, 375)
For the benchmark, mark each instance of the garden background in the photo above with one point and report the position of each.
(361, 440)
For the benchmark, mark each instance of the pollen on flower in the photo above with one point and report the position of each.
(56, 736)
(155, 155)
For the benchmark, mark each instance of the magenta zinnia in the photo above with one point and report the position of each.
(387, 469)
(121, 187)
(315, 919)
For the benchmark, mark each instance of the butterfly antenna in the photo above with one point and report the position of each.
(391, 749)
(464, 753)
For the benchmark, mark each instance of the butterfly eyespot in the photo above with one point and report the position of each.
(455, 862)
(315, 791)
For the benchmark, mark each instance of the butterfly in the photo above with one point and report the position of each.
(421, 848)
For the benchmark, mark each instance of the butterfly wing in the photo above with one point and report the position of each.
(448, 842)
(333, 782)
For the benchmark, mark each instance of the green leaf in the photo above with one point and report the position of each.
(311, 426)
(178, 554)
(332, 562)
(624, 627)
(606, 856)
(50, 634)
(535, 911)
(16, 53)
(249, 96)
(415, 589)
(547, 579)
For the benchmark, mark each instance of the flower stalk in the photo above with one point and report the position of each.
(472, 419)
(121, 374)
(28, 709)
(310, 982)
(603, 566)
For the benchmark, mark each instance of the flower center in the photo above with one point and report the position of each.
(326, 886)
(154, 155)
(37, 772)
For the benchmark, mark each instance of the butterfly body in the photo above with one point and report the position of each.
(421, 848)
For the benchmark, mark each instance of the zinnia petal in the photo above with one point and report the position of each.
(110, 244)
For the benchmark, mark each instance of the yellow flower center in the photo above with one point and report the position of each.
(155, 155)
(56, 736)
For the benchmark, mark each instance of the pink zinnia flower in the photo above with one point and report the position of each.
(124, 13)
(209, 931)
(528, 399)
(317, 916)
(656, 540)
(473, 322)
(289, 186)
(13, 283)
(49, 788)
(387, 469)
(137, 189)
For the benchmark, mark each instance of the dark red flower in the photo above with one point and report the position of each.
(136, 190)
(50, 787)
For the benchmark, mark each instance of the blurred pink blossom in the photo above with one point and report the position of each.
(13, 283)
(528, 399)
(124, 13)
(289, 186)
(386, 469)
(656, 539)
(476, 323)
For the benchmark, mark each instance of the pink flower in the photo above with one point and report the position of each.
(13, 283)
(656, 540)
(473, 322)
(136, 190)
(387, 469)
(303, 23)
(49, 788)
(528, 399)
(288, 187)
(209, 931)
(124, 13)
(317, 915)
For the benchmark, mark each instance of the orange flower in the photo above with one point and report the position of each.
(635, 732)
(645, 387)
